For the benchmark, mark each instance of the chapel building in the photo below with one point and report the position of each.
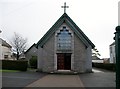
(65, 48)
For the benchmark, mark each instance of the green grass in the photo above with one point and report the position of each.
(8, 70)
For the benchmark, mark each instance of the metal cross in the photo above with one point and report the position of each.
(65, 7)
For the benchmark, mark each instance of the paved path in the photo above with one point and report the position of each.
(53, 80)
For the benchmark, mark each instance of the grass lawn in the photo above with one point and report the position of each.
(28, 69)
(9, 70)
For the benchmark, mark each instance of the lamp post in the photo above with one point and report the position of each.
(117, 51)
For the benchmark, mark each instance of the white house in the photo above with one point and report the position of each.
(96, 59)
(5, 50)
(112, 53)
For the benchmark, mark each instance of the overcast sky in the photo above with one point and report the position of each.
(33, 18)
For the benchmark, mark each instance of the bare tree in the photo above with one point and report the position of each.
(19, 44)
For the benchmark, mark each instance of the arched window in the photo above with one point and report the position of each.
(64, 39)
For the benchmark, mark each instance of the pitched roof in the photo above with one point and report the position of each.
(34, 45)
(65, 19)
(112, 44)
(4, 43)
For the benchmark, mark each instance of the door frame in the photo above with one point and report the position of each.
(64, 61)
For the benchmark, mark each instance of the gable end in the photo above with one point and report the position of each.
(65, 19)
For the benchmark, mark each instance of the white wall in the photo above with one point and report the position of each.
(0, 49)
(112, 54)
(6, 51)
(119, 13)
(97, 61)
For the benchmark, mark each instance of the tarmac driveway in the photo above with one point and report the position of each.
(20, 79)
(100, 78)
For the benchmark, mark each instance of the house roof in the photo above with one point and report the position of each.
(34, 45)
(65, 19)
(112, 44)
(4, 43)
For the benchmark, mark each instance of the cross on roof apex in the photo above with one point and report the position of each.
(65, 7)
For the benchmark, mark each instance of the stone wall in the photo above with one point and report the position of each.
(31, 52)
(80, 59)
(79, 55)
(88, 62)
(46, 56)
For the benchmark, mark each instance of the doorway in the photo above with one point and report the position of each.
(64, 61)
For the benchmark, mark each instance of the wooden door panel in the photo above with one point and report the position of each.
(67, 62)
(63, 61)
(60, 61)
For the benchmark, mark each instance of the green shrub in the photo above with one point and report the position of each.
(33, 62)
(107, 66)
(15, 65)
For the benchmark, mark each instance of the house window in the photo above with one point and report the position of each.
(5, 56)
(64, 39)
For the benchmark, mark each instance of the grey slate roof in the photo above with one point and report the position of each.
(65, 19)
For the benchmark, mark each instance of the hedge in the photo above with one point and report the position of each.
(15, 65)
(107, 66)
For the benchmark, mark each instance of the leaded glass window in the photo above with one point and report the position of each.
(64, 39)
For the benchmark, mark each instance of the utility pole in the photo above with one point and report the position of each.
(117, 52)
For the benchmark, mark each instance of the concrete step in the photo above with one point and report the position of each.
(64, 72)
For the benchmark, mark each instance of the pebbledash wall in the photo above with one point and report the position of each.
(81, 60)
